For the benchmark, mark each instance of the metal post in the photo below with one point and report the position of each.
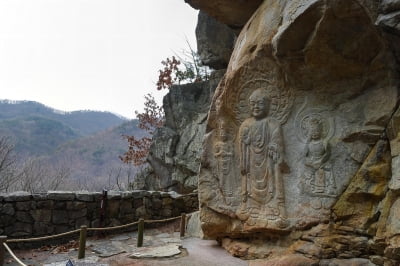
(82, 242)
(183, 224)
(103, 210)
(140, 232)
(2, 249)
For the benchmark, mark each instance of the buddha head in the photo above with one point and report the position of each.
(259, 103)
(315, 129)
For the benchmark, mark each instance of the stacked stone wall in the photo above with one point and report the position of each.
(31, 215)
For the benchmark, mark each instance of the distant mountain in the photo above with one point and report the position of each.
(89, 143)
(95, 159)
(82, 122)
(36, 135)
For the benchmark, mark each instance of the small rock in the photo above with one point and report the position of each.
(18, 196)
(61, 195)
(84, 196)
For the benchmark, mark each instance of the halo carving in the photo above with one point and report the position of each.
(281, 100)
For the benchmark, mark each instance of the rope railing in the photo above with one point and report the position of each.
(163, 220)
(13, 255)
(112, 227)
(43, 237)
(83, 232)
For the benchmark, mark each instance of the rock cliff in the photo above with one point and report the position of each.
(175, 153)
(300, 158)
(174, 156)
(214, 41)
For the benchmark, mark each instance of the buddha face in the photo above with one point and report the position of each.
(315, 130)
(259, 104)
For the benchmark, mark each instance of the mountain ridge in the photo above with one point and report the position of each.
(89, 143)
(104, 119)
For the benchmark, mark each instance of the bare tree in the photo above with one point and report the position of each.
(58, 176)
(8, 164)
(120, 177)
(36, 177)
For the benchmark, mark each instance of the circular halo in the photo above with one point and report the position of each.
(314, 114)
(242, 109)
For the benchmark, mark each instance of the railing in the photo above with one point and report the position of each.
(82, 236)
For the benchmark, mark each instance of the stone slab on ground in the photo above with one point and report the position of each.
(107, 249)
(165, 251)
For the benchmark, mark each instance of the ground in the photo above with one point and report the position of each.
(117, 249)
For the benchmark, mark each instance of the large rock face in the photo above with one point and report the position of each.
(296, 135)
(214, 41)
(175, 152)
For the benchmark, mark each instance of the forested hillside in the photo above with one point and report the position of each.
(94, 159)
(85, 145)
(82, 122)
(36, 135)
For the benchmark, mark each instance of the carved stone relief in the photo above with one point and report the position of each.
(315, 129)
(224, 155)
(262, 164)
(301, 106)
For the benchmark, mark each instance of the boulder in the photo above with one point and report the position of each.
(232, 13)
(214, 41)
(193, 227)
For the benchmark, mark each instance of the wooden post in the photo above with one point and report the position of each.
(183, 224)
(82, 242)
(2, 249)
(140, 232)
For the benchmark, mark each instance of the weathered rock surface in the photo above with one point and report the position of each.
(193, 226)
(175, 152)
(389, 18)
(301, 147)
(214, 41)
(232, 13)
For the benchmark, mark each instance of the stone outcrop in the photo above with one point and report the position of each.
(174, 155)
(301, 147)
(232, 13)
(214, 41)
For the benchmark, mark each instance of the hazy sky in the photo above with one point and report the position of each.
(89, 54)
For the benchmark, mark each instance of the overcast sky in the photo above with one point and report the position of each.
(89, 54)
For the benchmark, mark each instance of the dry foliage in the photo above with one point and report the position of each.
(188, 68)
(64, 248)
(149, 120)
(167, 76)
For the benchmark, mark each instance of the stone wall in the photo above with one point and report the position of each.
(30, 215)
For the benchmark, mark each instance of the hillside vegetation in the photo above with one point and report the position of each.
(87, 143)
(82, 122)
